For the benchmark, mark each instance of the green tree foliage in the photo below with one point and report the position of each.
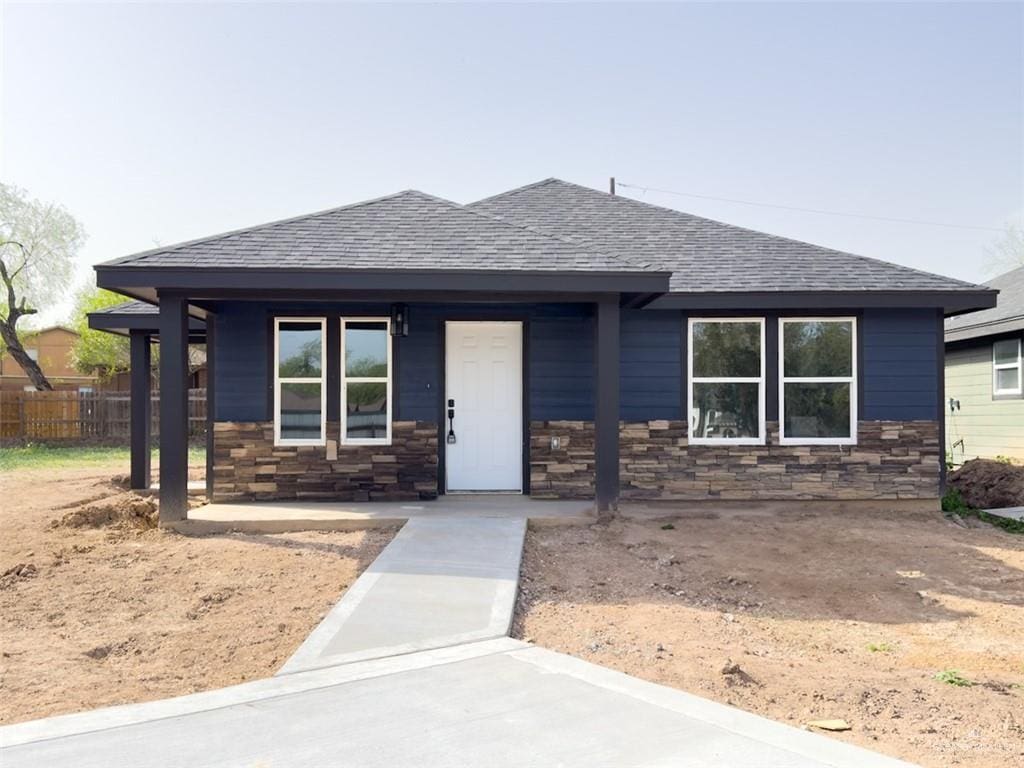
(98, 351)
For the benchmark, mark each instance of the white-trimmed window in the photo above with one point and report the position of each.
(300, 385)
(725, 397)
(1006, 367)
(366, 380)
(818, 380)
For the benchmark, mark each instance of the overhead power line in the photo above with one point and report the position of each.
(812, 210)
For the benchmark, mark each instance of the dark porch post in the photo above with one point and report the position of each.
(141, 378)
(211, 399)
(606, 421)
(173, 408)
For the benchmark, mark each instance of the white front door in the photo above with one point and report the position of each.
(484, 376)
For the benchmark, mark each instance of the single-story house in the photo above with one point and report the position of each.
(985, 377)
(552, 340)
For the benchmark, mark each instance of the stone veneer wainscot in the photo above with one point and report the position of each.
(247, 465)
(892, 460)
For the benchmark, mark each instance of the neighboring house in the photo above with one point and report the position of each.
(51, 348)
(552, 340)
(985, 378)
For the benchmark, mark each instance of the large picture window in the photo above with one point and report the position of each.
(365, 381)
(726, 375)
(299, 385)
(818, 390)
(1006, 367)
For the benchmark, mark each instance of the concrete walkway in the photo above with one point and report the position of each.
(496, 703)
(412, 667)
(441, 581)
(1010, 513)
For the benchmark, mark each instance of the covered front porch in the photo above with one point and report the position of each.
(564, 426)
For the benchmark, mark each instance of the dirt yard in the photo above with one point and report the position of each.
(804, 617)
(115, 611)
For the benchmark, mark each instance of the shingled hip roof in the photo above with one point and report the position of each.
(527, 239)
(408, 230)
(704, 255)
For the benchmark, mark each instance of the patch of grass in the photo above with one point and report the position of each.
(881, 647)
(50, 456)
(953, 503)
(668, 527)
(952, 677)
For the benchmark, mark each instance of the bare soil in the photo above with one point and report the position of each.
(802, 617)
(99, 607)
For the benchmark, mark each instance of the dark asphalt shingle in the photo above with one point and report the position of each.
(406, 231)
(704, 255)
(129, 308)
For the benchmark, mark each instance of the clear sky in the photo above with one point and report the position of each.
(155, 123)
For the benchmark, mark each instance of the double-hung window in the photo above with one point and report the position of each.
(300, 391)
(365, 381)
(1006, 368)
(726, 381)
(818, 387)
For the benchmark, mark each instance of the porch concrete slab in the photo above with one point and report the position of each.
(284, 516)
(498, 703)
(194, 487)
(442, 581)
(1010, 513)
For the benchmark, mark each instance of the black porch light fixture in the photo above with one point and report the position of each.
(399, 320)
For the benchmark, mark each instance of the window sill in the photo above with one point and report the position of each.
(727, 441)
(299, 443)
(818, 441)
(381, 443)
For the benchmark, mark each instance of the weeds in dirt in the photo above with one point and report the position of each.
(952, 677)
(668, 527)
(953, 504)
(881, 647)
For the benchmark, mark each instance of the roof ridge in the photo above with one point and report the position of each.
(678, 212)
(577, 243)
(275, 222)
(517, 190)
(536, 230)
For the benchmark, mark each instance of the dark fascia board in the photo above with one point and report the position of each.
(126, 322)
(185, 280)
(952, 302)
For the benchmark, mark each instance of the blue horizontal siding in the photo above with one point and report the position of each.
(240, 367)
(900, 365)
(650, 374)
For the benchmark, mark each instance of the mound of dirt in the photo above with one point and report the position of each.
(986, 484)
(124, 510)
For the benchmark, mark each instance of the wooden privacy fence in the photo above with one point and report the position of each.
(84, 415)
